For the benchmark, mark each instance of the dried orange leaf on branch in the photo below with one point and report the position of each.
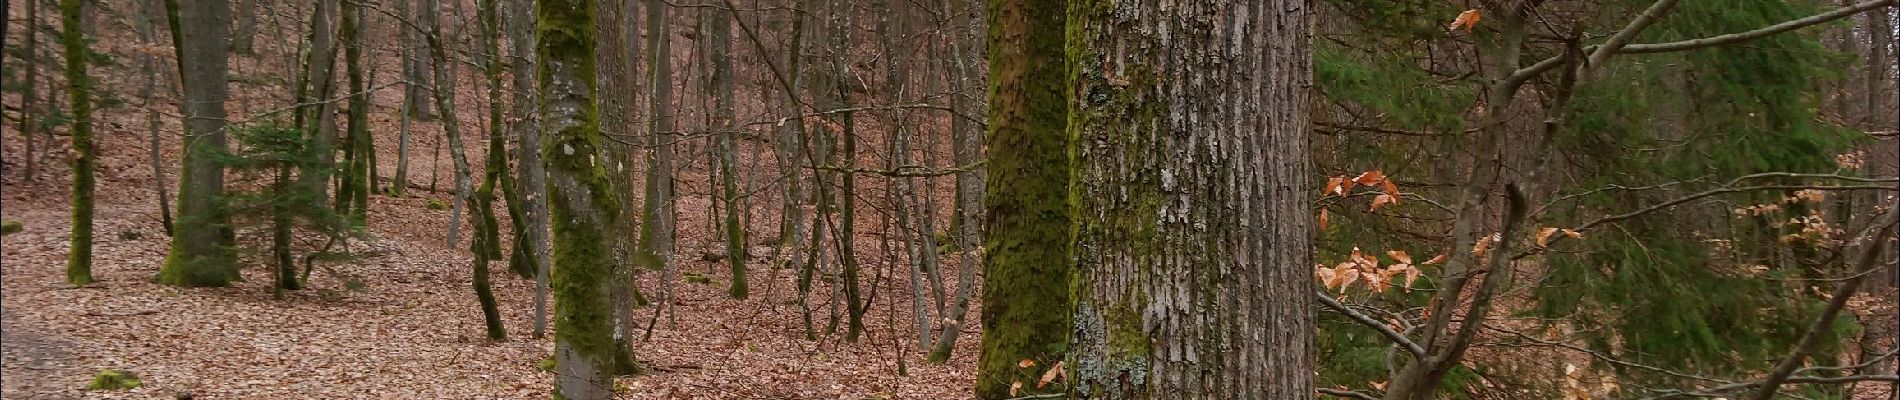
(1543, 236)
(1435, 260)
(1335, 186)
(1467, 20)
(1383, 200)
(1324, 216)
(1400, 256)
(1055, 372)
(1369, 178)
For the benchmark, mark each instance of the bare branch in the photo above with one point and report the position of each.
(1346, 393)
(1400, 339)
(1868, 260)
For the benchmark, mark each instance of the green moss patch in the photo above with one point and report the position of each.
(11, 227)
(112, 379)
(434, 204)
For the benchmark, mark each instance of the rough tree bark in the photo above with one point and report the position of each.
(533, 173)
(617, 60)
(199, 254)
(1192, 253)
(584, 201)
(1026, 254)
(721, 78)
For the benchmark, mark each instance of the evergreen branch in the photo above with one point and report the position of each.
(1396, 338)
(1547, 64)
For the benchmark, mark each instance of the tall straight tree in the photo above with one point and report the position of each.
(584, 201)
(29, 112)
(1026, 254)
(200, 252)
(720, 25)
(534, 184)
(452, 132)
(318, 119)
(79, 89)
(352, 194)
(1192, 254)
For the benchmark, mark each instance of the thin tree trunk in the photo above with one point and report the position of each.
(145, 24)
(969, 188)
(656, 233)
(584, 202)
(198, 254)
(29, 111)
(616, 78)
(319, 70)
(445, 101)
(533, 172)
(1192, 211)
(722, 87)
(246, 27)
(353, 193)
(79, 87)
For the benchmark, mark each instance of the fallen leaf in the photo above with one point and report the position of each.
(1025, 363)
(1015, 387)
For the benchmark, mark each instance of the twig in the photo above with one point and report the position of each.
(1417, 352)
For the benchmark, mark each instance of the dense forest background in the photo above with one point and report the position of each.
(1397, 199)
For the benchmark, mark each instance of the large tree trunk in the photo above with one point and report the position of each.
(1026, 253)
(79, 88)
(1193, 220)
(583, 199)
(199, 254)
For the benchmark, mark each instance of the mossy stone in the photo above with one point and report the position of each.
(112, 379)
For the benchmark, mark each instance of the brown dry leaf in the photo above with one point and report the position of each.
(1055, 372)
(1369, 178)
(1543, 236)
(1383, 200)
(1390, 188)
(1467, 20)
(1435, 260)
(1328, 277)
(1572, 234)
(1411, 274)
(1400, 256)
(1015, 387)
(1335, 186)
(1025, 363)
(1324, 216)
(1484, 245)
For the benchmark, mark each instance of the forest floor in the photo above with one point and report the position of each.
(411, 329)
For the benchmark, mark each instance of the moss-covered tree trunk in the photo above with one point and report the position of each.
(583, 199)
(1026, 253)
(720, 25)
(496, 172)
(445, 101)
(79, 89)
(200, 254)
(1193, 265)
(352, 195)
